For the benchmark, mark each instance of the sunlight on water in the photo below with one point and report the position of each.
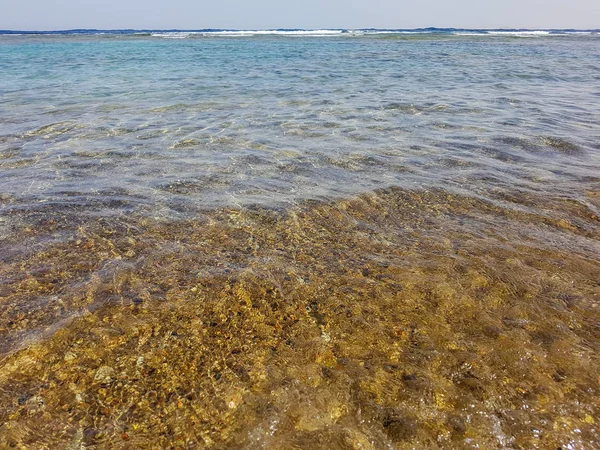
(342, 242)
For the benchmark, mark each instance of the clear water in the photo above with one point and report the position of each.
(289, 239)
(177, 124)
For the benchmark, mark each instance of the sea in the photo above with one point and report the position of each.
(320, 239)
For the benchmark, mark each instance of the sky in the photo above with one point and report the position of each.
(308, 14)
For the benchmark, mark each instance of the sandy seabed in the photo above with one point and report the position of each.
(397, 319)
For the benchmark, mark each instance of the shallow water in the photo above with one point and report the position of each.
(264, 241)
(178, 125)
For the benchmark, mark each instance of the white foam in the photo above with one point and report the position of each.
(237, 33)
(171, 35)
(361, 32)
(176, 34)
(315, 33)
(528, 33)
(280, 32)
(518, 33)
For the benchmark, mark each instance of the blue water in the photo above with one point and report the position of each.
(300, 239)
(171, 122)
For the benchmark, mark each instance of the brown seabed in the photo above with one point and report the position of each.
(399, 319)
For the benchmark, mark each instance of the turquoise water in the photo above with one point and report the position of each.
(291, 239)
(173, 125)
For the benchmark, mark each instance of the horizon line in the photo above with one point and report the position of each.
(58, 30)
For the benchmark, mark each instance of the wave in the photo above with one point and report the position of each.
(184, 34)
(362, 32)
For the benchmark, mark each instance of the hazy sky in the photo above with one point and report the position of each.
(252, 14)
